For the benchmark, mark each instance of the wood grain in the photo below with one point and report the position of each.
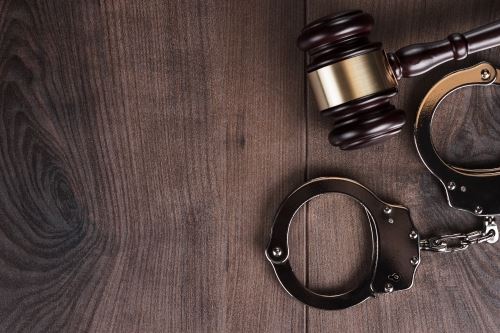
(456, 292)
(56, 238)
(144, 149)
(146, 145)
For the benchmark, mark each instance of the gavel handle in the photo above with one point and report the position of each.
(417, 59)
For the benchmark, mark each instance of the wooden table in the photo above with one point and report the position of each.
(145, 146)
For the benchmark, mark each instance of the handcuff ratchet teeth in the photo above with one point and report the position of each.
(396, 243)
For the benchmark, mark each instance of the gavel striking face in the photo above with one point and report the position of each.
(353, 78)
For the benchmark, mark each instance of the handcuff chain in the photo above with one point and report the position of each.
(461, 241)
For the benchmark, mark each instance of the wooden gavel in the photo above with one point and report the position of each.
(353, 78)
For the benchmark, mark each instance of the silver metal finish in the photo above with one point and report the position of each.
(459, 241)
(491, 226)
(478, 187)
(391, 246)
(394, 277)
(277, 252)
(396, 246)
(414, 261)
(485, 74)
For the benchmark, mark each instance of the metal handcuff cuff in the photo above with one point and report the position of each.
(396, 243)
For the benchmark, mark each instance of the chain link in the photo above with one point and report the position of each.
(461, 241)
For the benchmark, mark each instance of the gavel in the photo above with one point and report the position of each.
(353, 78)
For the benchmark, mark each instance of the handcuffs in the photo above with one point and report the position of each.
(396, 243)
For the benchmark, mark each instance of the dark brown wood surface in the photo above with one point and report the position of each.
(145, 146)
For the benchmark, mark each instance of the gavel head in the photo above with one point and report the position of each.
(352, 79)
